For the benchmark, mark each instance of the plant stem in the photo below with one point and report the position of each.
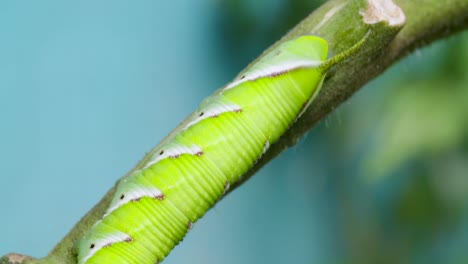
(342, 24)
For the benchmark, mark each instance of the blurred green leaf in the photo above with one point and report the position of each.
(423, 117)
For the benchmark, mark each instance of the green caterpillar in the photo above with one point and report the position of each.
(190, 170)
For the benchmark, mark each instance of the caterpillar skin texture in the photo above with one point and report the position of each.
(189, 171)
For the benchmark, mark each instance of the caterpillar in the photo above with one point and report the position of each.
(190, 170)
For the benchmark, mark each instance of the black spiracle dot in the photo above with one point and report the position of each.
(242, 77)
(162, 152)
(122, 196)
(92, 246)
(201, 114)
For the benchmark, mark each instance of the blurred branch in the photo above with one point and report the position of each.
(342, 23)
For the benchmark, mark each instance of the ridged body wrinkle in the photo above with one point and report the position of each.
(191, 169)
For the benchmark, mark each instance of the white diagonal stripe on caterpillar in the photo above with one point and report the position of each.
(106, 241)
(272, 70)
(213, 109)
(134, 194)
(174, 150)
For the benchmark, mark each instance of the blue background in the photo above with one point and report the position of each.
(87, 87)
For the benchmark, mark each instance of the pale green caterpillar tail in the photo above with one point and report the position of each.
(325, 67)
